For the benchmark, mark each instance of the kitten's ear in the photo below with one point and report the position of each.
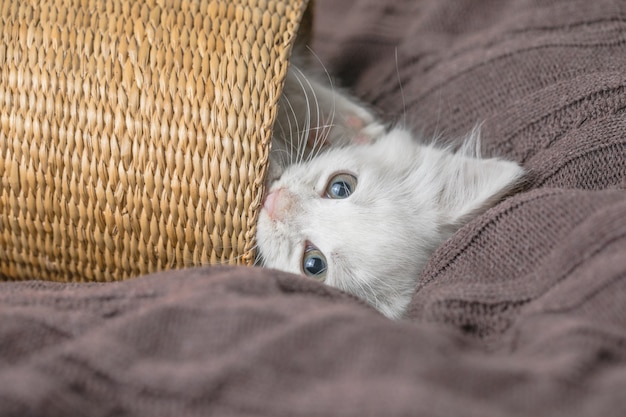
(473, 185)
(339, 118)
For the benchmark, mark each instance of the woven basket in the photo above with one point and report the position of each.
(134, 135)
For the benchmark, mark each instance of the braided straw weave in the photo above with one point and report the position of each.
(134, 135)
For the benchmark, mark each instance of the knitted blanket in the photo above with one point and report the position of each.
(520, 313)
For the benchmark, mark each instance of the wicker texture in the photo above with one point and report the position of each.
(134, 135)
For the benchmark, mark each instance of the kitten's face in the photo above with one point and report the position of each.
(344, 218)
(366, 218)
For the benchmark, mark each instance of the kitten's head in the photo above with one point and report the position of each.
(366, 218)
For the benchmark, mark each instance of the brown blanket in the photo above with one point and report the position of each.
(521, 313)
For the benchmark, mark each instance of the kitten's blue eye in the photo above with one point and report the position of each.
(340, 186)
(314, 263)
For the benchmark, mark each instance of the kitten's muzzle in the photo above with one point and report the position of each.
(276, 203)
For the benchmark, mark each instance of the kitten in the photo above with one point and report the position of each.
(362, 209)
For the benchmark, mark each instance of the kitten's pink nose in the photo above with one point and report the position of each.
(272, 203)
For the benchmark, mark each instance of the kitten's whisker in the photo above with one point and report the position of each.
(294, 146)
(288, 139)
(280, 155)
(321, 135)
(330, 81)
(383, 293)
(333, 109)
(365, 287)
(318, 121)
(401, 90)
(276, 151)
(303, 138)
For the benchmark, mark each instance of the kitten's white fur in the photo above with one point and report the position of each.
(409, 198)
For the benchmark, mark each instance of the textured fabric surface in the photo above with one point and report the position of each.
(520, 313)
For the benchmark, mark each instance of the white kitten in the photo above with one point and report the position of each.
(365, 214)
(366, 218)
